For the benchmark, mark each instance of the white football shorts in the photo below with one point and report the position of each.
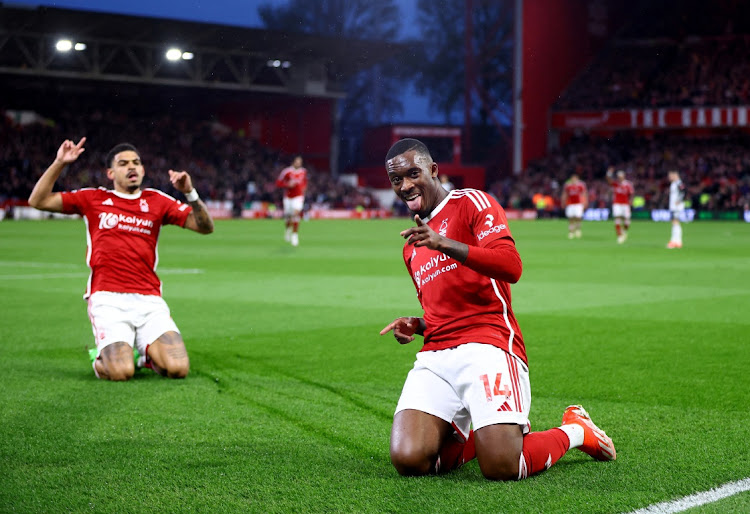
(675, 214)
(471, 384)
(293, 205)
(574, 210)
(621, 210)
(136, 319)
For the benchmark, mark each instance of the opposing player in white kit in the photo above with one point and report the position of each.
(293, 179)
(676, 208)
(122, 229)
(472, 371)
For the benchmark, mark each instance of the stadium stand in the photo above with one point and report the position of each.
(717, 170)
(670, 91)
(224, 164)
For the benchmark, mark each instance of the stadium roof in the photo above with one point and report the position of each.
(133, 48)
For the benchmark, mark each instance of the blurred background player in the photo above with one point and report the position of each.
(574, 199)
(293, 179)
(123, 291)
(445, 181)
(622, 195)
(676, 207)
(472, 369)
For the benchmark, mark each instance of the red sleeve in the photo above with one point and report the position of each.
(281, 180)
(176, 213)
(498, 260)
(74, 201)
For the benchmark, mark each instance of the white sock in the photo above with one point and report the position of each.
(574, 433)
(677, 233)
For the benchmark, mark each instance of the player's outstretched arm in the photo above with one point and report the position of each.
(404, 328)
(42, 197)
(199, 220)
(500, 260)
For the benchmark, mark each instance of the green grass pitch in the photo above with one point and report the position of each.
(290, 398)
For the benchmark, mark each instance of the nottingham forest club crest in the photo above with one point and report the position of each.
(144, 205)
(443, 227)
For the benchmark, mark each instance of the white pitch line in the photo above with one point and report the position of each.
(23, 264)
(41, 276)
(38, 276)
(697, 499)
(179, 271)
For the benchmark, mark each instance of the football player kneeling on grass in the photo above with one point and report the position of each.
(123, 291)
(472, 369)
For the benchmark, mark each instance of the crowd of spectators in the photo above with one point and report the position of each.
(224, 164)
(716, 171)
(699, 72)
(670, 54)
(674, 53)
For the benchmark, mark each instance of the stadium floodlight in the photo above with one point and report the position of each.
(64, 45)
(286, 64)
(187, 56)
(174, 54)
(79, 47)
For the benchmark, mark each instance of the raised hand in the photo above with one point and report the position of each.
(69, 151)
(181, 181)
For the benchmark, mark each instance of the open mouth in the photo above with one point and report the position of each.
(132, 175)
(413, 202)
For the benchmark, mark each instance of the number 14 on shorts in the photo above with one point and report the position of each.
(496, 390)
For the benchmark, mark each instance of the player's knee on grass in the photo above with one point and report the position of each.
(499, 449)
(116, 362)
(416, 439)
(169, 356)
(411, 459)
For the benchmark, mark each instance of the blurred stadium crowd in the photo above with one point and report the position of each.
(224, 164)
(716, 171)
(692, 56)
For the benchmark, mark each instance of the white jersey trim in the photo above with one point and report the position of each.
(126, 196)
(89, 251)
(505, 316)
(163, 194)
(440, 206)
(477, 197)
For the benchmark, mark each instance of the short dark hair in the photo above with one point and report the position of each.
(121, 147)
(406, 145)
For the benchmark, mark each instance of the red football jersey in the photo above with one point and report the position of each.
(122, 232)
(460, 305)
(575, 192)
(622, 192)
(293, 180)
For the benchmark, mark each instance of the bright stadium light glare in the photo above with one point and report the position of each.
(174, 54)
(79, 47)
(64, 45)
(286, 64)
(276, 63)
(187, 56)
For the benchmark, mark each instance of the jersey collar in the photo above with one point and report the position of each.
(127, 196)
(440, 206)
